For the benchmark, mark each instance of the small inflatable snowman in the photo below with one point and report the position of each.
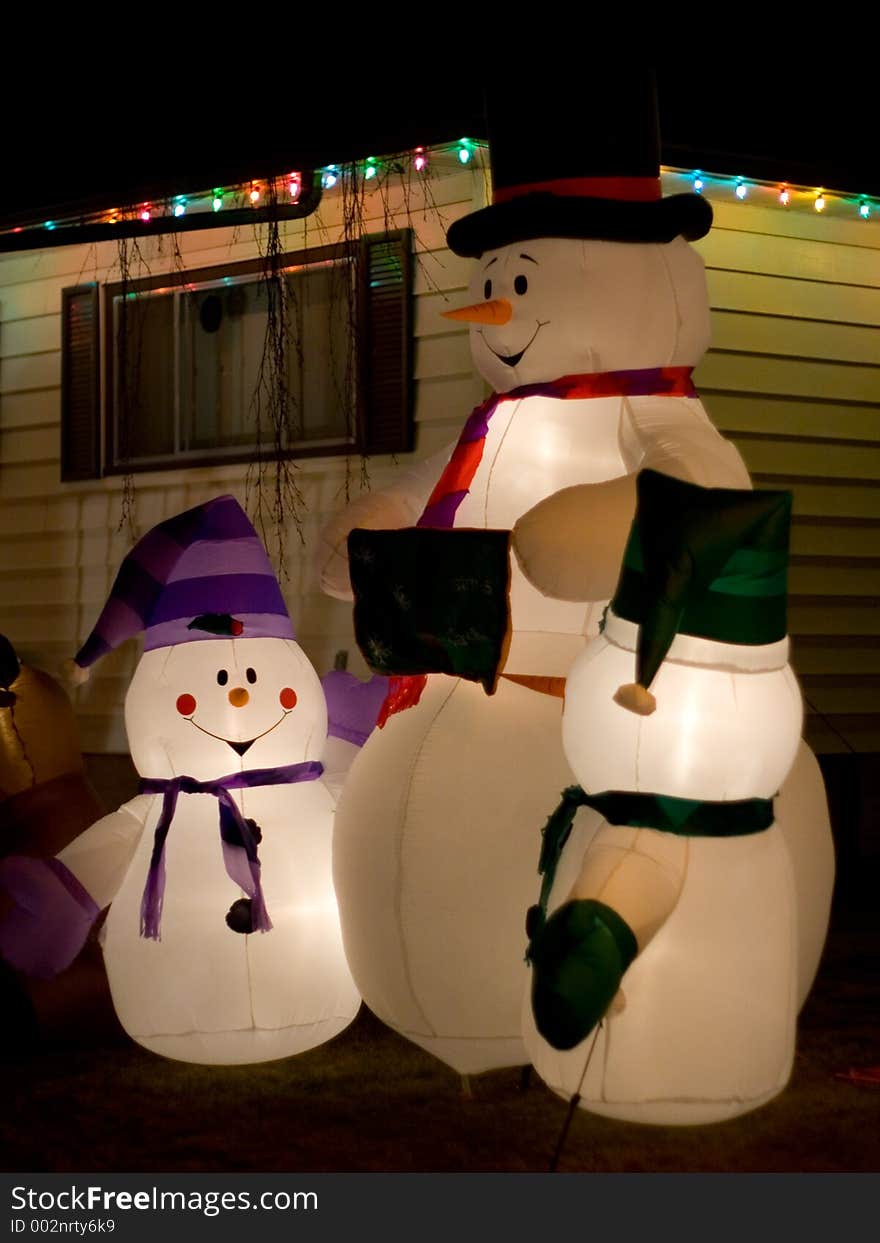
(588, 312)
(222, 943)
(688, 878)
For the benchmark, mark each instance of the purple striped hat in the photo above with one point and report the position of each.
(200, 575)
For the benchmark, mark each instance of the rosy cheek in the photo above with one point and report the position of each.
(186, 705)
(288, 698)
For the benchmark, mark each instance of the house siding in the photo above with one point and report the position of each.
(793, 378)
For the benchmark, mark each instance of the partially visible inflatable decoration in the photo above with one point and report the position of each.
(353, 707)
(46, 800)
(682, 719)
(588, 311)
(45, 796)
(222, 943)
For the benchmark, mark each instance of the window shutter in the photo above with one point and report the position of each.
(385, 345)
(80, 389)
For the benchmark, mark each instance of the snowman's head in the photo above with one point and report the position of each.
(218, 706)
(550, 307)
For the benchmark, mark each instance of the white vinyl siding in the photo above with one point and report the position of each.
(793, 378)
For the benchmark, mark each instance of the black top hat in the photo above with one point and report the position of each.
(580, 159)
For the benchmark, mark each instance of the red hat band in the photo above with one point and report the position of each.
(624, 189)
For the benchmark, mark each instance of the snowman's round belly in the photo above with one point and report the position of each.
(206, 993)
(707, 1031)
(438, 832)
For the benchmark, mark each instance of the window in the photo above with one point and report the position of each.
(182, 358)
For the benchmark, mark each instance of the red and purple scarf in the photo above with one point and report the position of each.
(458, 474)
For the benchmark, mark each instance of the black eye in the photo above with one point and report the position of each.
(251, 675)
(520, 285)
(222, 677)
(487, 290)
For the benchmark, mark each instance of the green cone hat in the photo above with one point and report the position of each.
(710, 562)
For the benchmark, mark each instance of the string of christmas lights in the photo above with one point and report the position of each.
(256, 192)
(785, 195)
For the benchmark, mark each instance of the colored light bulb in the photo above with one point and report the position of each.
(420, 161)
(820, 203)
(699, 183)
(464, 151)
(864, 210)
(785, 196)
(217, 201)
(370, 169)
(50, 224)
(145, 212)
(329, 177)
(741, 190)
(255, 192)
(294, 185)
(180, 207)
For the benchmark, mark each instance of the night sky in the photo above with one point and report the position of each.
(801, 125)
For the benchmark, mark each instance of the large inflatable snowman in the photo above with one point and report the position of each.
(588, 312)
(688, 877)
(222, 943)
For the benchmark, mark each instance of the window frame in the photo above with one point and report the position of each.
(377, 428)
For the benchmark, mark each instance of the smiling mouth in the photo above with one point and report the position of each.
(512, 360)
(240, 748)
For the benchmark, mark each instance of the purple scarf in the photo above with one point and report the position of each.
(238, 839)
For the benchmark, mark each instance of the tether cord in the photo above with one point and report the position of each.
(574, 1102)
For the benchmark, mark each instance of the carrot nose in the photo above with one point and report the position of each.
(498, 311)
(238, 697)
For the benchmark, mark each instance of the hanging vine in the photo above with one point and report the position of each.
(130, 319)
(126, 400)
(272, 488)
(354, 228)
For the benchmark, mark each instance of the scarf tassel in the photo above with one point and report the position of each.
(151, 903)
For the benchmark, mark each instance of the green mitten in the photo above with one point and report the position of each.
(578, 960)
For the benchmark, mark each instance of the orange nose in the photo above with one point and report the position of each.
(498, 311)
(238, 697)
